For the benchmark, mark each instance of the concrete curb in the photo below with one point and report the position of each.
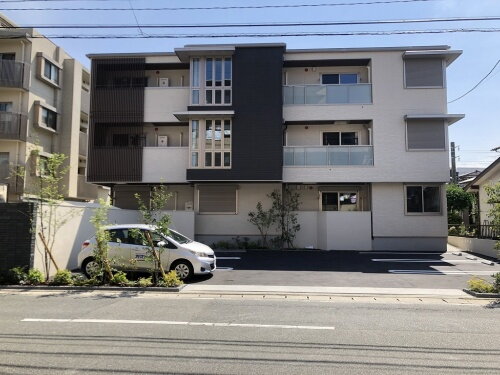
(93, 288)
(482, 295)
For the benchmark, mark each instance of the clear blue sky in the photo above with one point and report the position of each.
(476, 134)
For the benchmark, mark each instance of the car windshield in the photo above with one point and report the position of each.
(177, 237)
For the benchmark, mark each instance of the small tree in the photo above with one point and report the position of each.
(102, 236)
(285, 208)
(263, 220)
(46, 191)
(458, 200)
(152, 215)
(493, 192)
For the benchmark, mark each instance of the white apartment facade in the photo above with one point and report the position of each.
(361, 134)
(44, 106)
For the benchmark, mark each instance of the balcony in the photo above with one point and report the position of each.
(164, 164)
(82, 144)
(86, 190)
(360, 93)
(85, 102)
(161, 102)
(324, 156)
(14, 74)
(13, 126)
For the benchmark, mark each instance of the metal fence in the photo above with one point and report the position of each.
(486, 231)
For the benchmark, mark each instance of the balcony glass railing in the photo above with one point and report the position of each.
(360, 93)
(318, 156)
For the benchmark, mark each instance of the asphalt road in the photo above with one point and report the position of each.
(346, 269)
(134, 333)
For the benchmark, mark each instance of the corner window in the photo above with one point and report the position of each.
(423, 199)
(339, 79)
(340, 138)
(49, 118)
(51, 72)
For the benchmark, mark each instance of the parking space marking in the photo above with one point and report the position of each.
(438, 272)
(397, 252)
(170, 322)
(224, 268)
(406, 260)
(225, 258)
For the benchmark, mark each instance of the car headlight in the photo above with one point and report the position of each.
(198, 253)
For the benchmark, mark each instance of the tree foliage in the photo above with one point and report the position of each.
(457, 198)
(263, 220)
(99, 220)
(493, 192)
(285, 207)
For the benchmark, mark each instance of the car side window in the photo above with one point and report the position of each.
(118, 236)
(137, 239)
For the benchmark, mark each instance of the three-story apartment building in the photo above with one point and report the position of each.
(360, 134)
(44, 106)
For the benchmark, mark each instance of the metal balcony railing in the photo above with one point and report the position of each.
(318, 156)
(14, 74)
(360, 93)
(13, 125)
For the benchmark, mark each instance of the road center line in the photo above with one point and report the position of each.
(440, 272)
(171, 322)
(219, 258)
(406, 260)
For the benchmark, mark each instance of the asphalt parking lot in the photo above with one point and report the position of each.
(347, 269)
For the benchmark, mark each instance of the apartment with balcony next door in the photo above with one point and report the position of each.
(44, 109)
(359, 133)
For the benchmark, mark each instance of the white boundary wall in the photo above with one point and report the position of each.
(77, 228)
(475, 245)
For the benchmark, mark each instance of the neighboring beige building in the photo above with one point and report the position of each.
(488, 177)
(44, 104)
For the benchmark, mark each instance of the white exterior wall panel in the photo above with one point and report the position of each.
(160, 103)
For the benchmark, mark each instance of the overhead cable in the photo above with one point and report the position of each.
(477, 84)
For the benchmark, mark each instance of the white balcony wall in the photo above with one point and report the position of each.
(164, 164)
(161, 102)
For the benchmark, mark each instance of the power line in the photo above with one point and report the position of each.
(262, 24)
(378, 2)
(254, 35)
(477, 84)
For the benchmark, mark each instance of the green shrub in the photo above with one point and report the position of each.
(223, 245)
(171, 280)
(34, 277)
(17, 275)
(480, 286)
(145, 282)
(120, 279)
(496, 282)
(62, 277)
(453, 231)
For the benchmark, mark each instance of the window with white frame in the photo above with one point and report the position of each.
(339, 78)
(423, 199)
(211, 143)
(340, 138)
(49, 118)
(51, 71)
(214, 88)
(339, 201)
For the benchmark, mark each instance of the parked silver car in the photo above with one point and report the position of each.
(127, 252)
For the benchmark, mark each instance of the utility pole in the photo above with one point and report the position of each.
(453, 164)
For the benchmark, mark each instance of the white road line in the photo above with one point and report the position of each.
(405, 260)
(437, 272)
(171, 322)
(397, 252)
(224, 268)
(219, 258)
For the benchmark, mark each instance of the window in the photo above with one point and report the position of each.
(217, 199)
(339, 201)
(340, 138)
(423, 199)
(51, 71)
(5, 106)
(215, 145)
(217, 82)
(426, 134)
(7, 56)
(339, 79)
(49, 118)
(424, 73)
(4, 166)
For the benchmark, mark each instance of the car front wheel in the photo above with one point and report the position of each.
(183, 269)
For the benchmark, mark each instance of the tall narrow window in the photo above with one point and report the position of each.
(195, 82)
(215, 147)
(209, 72)
(218, 81)
(195, 135)
(227, 71)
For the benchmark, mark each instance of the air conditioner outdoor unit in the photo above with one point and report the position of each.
(164, 82)
(163, 141)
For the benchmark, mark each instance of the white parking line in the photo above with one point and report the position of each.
(405, 260)
(224, 268)
(224, 258)
(438, 272)
(397, 252)
(177, 323)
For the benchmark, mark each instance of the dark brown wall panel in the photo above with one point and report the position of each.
(116, 120)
